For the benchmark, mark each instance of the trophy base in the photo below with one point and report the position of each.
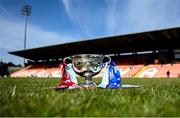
(89, 85)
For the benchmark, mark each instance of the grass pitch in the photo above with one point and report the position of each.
(36, 97)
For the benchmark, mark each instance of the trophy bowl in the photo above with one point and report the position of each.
(87, 65)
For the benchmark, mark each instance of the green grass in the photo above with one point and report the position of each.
(35, 97)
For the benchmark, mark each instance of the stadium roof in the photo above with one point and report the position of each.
(144, 41)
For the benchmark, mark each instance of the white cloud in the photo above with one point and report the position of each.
(89, 17)
(12, 37)
(112, 16)
(67, 8)
(40, 37)
(116, 17)
(12, 34)
(152, 13)
(142, 15)
(73, 13)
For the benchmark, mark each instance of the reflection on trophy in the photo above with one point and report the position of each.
(87, 65)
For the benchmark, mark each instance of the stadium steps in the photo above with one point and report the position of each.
(22, 70)
(140, 71)
(174, 70)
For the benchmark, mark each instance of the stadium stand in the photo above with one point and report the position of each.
(136, 71)
(173, 68)
(129, 70)
(142, 55)
(39, 71)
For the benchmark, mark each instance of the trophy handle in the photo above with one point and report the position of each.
(64, 60)
(108, 58)
(76, 70)
(73, 67)
(102, 65)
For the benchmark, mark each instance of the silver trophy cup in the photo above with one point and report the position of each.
(87, 65)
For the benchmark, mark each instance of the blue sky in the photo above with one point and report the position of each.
(60, 21)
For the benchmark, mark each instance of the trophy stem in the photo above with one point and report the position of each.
(88, 82)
